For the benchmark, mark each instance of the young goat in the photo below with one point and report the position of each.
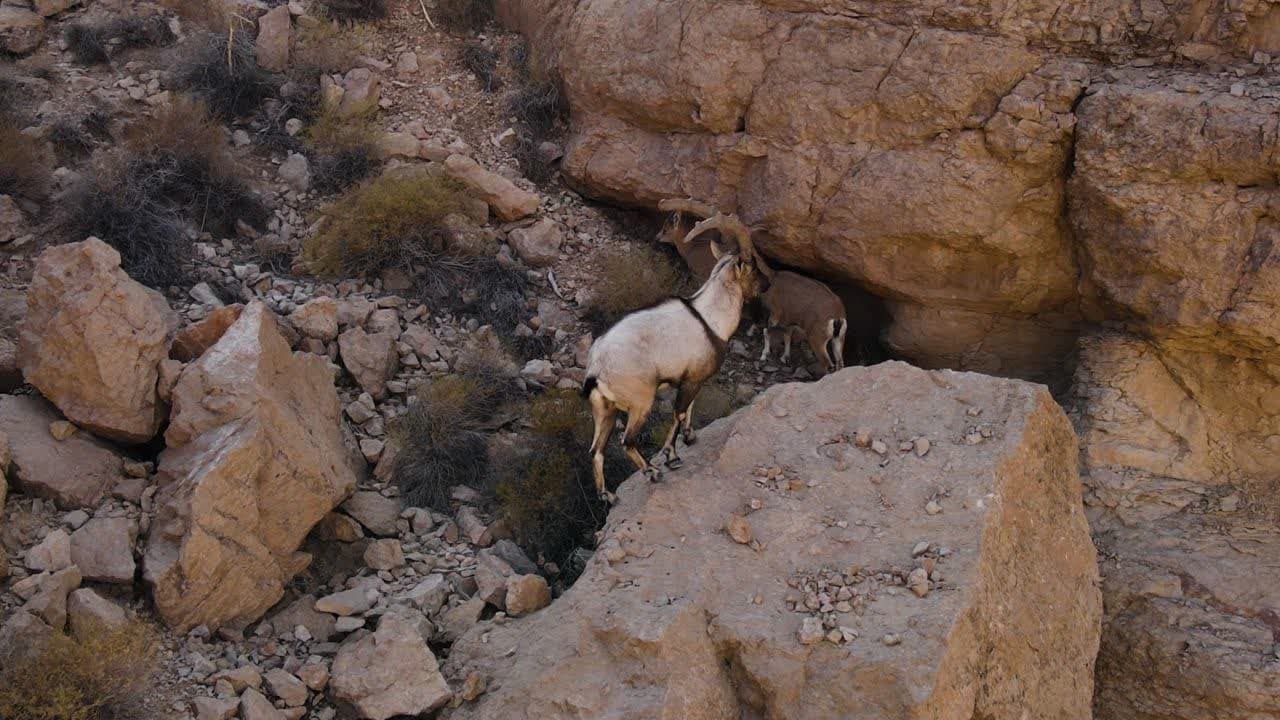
(678, 342)
(797, 302)
(793, 301)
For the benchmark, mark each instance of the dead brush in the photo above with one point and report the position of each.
(482, 62)
(104, 674)
(94, 43)
(24, 170)
(628, 278)
(172, 169)
(464, 15)
(356, 9)
(222, 71)
(343, 151)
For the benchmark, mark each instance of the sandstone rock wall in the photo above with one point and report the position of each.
(957, 574)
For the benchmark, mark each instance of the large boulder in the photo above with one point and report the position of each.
(75, 472)
(20, 30)
(93, 339)
(1181, 455)
(255, 458)
(271, 46)
(948, 579)
(387, 673)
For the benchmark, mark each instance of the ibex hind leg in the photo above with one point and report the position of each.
(682, 422)
(603, 414)
(635, 422)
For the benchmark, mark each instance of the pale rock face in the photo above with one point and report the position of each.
(93, 339)
(75, 472)
(697, 617)
(244, 479)
(87, 611)
(389, 672)
(1180, 456)
(103, 549)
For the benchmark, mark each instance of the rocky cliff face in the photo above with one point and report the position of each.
(932, 561)
(1030, 187)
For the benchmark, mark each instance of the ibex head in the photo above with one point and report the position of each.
(751, 271)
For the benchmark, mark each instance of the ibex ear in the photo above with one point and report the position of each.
(716, 252)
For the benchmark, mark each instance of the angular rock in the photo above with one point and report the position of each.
(370, 358)
(23, 636)
(317, 318)
(255, 706)
(384, 554)
(207, 708)
(103, 549)
(192, 340)
(245, 478)
(50, 601)
(303, 612)
(456, 621)
(76, 472)
(271, 47)
(93, 339)
(377, 513)
(526, 594)
(287, 687)
(87, 611)
(315, 675)
(51, 554)
(430, 594)
(295, 172)
(491, 576)
(422, 341)
(388, 672)
(539, 244)
(1020, 629)
(360, 93)
(336, 526)
(347, 602)
(20, 30)
(507, 200)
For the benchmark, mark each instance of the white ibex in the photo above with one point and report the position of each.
(678, 342)
(792, 302)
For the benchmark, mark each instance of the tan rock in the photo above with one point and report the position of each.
(93, 339)
(271, 46)
(287, 687)
(103, 549)
(20, 30)
(370, 358)
(384, 554)
(303, 612)
(315, 675)
(374, 511)
(254, 705)
(526, 594)
(76, 472)
(336, 526)
(50, 554)
(240, 678)
(192, 341)
(388, 672)
(507, 200)
(87, 611)
(398, 144)
(23, 636)
(50, 600)
(1020, 491)
(317, 318)
(361, 90)
(243, 480)
(47, 8)
(207, 708)
(539, 244)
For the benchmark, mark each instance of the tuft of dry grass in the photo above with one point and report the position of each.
(24, 171)
(396, 220)
(171, 169)
(631, 277)
(464, 15)
(102, 676)
(482, 62)
(93, 43)
(222, 71)
(331, 48)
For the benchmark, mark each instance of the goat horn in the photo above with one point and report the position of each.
(727, 225)
(687, 205)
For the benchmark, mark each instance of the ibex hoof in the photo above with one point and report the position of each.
(608, 498)
(653, 473)
(675, 463)
(690, 438)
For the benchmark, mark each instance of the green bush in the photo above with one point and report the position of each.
(397, 220)
(102, 676)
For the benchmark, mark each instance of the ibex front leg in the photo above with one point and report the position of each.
(681, 422)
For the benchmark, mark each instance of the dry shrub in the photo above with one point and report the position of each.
(102, 676)
(538, 104)
(482, 62)
(330, 48)
(222, 70)
(462, 15)
(444, 435)
(356, 9)
(217, 16)
(397, 220)
(24, 171)
(546, 491)
(74, 137)
(343, 150)
(93, 43)
(172, 168)
(631, 277)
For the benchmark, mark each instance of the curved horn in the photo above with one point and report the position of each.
(687, 205)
